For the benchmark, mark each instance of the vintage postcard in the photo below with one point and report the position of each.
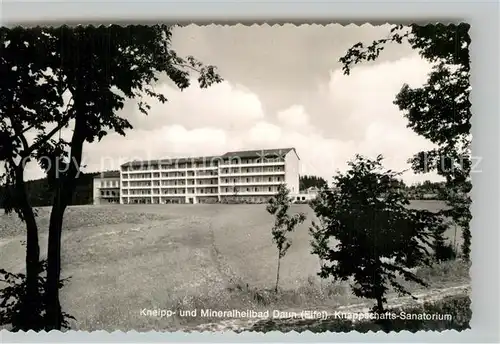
(235, 178)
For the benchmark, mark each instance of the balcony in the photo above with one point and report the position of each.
(229, 184)
(207, 177)
(138, 179)
(131, 173)
(132, 179)
(202, 185)
(109, 196)
(172, 177)
(179, 169)
(248, 193)
(243, 174)
(255, 164)
(157, 178)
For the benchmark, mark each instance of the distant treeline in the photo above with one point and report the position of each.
(417, 191)
(427, 190)
(306, 182)
(40, 195)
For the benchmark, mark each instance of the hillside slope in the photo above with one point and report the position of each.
(124, 258)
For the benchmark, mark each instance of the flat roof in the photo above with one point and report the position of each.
(170, 160)
(259, 153)
(108, 174)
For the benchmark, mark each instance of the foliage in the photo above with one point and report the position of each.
(284, 223)
(305, 182)
(379, 237)
(444, 251)
(445, 273)
(439, 110)
(78, 77)
(427, 190)
(14, 293)
(39, 194)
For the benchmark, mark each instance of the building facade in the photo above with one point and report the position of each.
(234, 177)
(106, 188)
(306, 195)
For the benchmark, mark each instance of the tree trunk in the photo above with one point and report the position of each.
(30, 313)
(277, 274)
(380, 305)
(53, 307)
(65, 187)
(385, 323)
(466, 234)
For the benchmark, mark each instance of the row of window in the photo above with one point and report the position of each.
(163, 200)
(171, 192)
(169, 183)
(109, 200)
(206, 163)
(169, 175)
(182, 200)
(277, 179)
(255, 189)
(263, 159)
(109, 193)
(110, 183)
(204, 174)
(172, 166)
(200, 191)
(252, 169)
(246, 199)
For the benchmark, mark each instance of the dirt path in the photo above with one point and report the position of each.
(240, 324)
(216, 256)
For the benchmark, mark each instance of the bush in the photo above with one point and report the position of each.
(456, 271)
(12, 295)
(231, 200)
(445, 252)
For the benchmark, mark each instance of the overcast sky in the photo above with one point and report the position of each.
(283, 87)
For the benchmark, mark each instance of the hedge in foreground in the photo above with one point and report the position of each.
(458, 307)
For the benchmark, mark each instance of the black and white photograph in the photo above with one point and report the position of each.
(235, 178)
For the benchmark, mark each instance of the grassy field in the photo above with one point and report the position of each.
(122, 259)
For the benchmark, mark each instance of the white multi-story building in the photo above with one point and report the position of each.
(106, 187)
(244, 176)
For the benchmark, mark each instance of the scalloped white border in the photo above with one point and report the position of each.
(483, 17)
